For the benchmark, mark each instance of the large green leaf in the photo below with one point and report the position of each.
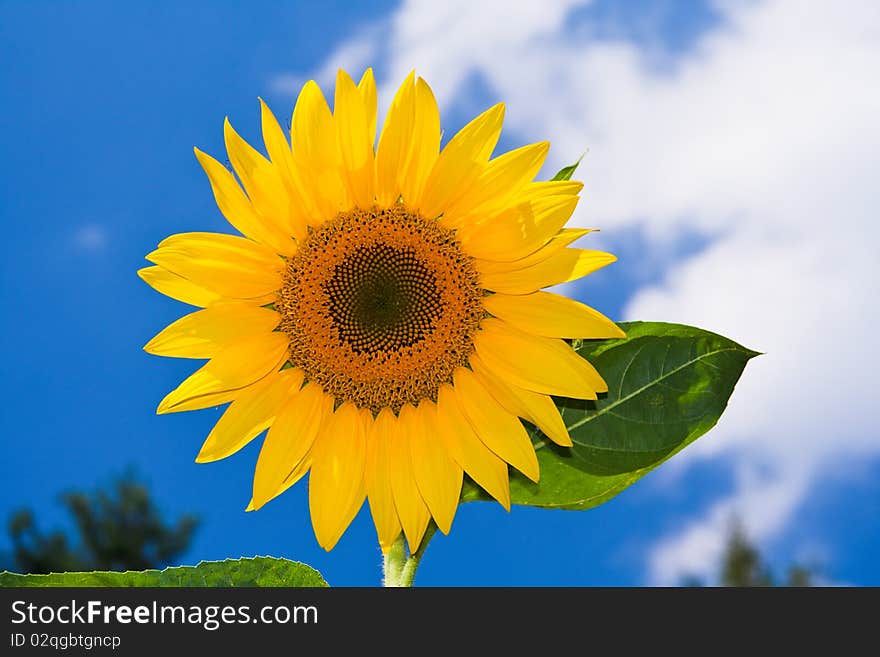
(258, 571)
(667, 385)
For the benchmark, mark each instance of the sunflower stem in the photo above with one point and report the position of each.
(400, 570)
(393, 561)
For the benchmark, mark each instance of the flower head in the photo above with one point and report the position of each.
(381, 311)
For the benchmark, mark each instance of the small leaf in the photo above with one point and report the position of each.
(256, 571)
(667, 385)
(565, 173)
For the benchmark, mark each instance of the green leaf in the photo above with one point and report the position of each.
(565, 173)
(667, 385)
(256, 571)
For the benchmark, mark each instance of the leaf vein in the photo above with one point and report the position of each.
(638, 391)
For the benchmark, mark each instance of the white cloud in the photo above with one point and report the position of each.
(353, 56)
(764, 136)
(765, 500)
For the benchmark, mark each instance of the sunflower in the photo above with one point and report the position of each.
(381, 312)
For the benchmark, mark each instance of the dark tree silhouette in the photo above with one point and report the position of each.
(118, 528)
(742, 565)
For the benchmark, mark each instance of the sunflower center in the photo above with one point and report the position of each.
(383, 298)
(380, 306)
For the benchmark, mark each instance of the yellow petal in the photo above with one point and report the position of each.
(411, 508)
(558, 242)
(536, 408)
(237, 208)
(237, 365)
(500, 430)
(351, 118)
(511, 403)
(462, 161)
(543, 188)
(295, 221)
(313, 136)
(264, 185)
(544, 365)
(395, 143)
(425, 145)
(301, 468)
(437, 475)
(177, 287)
(289, 441)
(203, 333)
(313, 141)
(210, 400)
(378, 480)
(273, 138)
(498, 185)
(551, 315)
(367, 89)
(231, 266)
(248, 416)
(518, 231)
(481, 463)
(215, 399)
(336, 482)
(563, 266)
(207, 244)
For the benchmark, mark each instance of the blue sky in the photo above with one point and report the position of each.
(102, 103)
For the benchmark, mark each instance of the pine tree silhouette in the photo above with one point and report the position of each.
(742, 565)
(118, 528)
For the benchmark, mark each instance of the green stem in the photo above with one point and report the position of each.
(400, 569)
(393, 562)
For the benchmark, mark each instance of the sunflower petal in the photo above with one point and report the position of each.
(558, 242)
(461, 161)
(437, 475)
(295, 220)
(355, 141)
(264, 185)
(498, 185)
(378, 480)
(289, 441)
(563, 266)
(519, 231)
(425, 144)
(481, 463)
(276, 143)
(411, 508)
(500, 430)
(395, 143)
(301, 468)
(313, 137)
(231, 266)
(367, 89)
(313, 142)
(237, 365)
(248, 416)
(551, 315)
(543, 188)
(203, 333)
(207, 244)
(544, 365)
(336, 482)
(209, 400)
(536, 408)
(237, 208)
(177, 287)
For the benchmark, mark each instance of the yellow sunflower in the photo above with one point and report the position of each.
(381, 313)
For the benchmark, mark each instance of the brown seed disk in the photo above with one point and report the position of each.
(380, 306)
